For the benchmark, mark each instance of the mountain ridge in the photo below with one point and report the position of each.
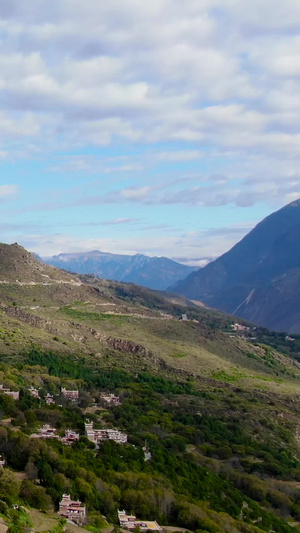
(246, 279)
(152, 272)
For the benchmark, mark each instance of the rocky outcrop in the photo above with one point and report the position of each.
(28, 318)
(126, 346)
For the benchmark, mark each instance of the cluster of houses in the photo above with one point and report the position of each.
(70, 509)
(35, 393)
(15, 395)
(48, 432)
(131, 522)
(72, 395)
(239, 327)
(99, 435)
(75, 511)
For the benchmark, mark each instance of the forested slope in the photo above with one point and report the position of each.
(219, 411)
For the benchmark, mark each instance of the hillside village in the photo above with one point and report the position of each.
(70, 418)
(73, 510)
(118, 404)
(91, 432)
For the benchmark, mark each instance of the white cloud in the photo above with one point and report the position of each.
(191, 245)
(138, 193)
(150, 71)
(219, 78)
(178, 156)
(8, 190)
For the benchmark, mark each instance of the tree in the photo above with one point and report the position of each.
(9, 488)
(35, 496)
(20, 522)
(31, 471)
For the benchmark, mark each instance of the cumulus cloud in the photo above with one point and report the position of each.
(169, 70)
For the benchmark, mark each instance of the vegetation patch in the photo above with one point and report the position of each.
(91, 316)
(222, 375)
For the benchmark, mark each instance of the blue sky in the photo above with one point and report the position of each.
(163, 127)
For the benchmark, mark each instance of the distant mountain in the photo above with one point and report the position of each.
(259, 278)
(152, 272)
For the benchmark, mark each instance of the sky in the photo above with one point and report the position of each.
(163, 127)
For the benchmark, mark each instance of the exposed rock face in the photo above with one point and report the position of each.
(259, 278)
(126, 346)
(122, 345)
(28, 318)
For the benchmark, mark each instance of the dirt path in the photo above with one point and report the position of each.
(50, 282)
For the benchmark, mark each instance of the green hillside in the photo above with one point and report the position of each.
(219, 410)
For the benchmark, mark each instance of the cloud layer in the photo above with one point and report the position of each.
(161, 104)
(193, 71)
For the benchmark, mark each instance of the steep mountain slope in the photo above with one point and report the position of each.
(152, 272)
(258, 278)
(86, 316)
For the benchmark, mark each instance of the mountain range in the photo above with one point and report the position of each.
(259, 278)
(152, 272)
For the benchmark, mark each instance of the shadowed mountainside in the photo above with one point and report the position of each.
(258, 279)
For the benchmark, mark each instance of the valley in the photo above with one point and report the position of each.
(219, 409)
